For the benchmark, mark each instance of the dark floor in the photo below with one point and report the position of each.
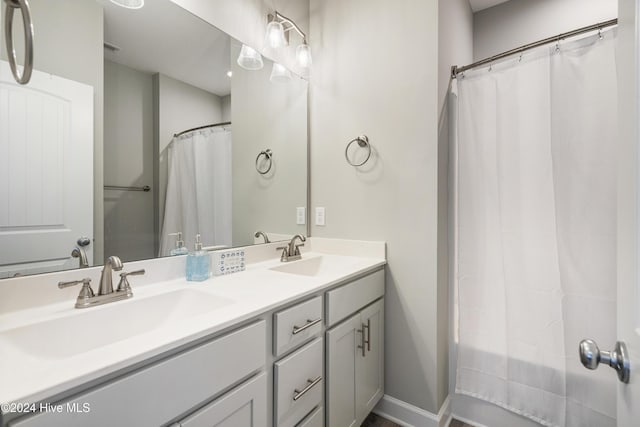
(374, 420)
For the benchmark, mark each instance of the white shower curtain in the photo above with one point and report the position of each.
(198, 189)
(535, 208)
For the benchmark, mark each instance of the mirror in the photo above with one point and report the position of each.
(112, 140)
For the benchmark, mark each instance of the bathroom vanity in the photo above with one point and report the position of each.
(280, 344)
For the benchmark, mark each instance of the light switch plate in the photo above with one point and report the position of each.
(320, 216)
(301, 217)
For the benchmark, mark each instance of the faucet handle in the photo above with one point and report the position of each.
(63, 285)
(297, 250)
(133, 273)
(85, 292)
(124, 282)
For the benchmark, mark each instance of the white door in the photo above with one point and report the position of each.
(46, 172)
(628, 307)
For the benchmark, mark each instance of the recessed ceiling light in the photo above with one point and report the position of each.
(229, 73)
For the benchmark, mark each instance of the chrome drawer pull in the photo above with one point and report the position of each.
(310, 323)
(299, 393)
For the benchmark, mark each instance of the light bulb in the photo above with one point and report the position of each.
(279, 74)
(250, 59)
(303, 55)
(275, 35)
(129, 4)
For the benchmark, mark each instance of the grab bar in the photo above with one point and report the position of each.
(146, 188)
(10, 6)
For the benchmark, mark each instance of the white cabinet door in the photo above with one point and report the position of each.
(244, 406)
(370, 367)
(342, 342)
(46, 172)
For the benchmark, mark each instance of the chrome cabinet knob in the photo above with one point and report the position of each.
(591, 356)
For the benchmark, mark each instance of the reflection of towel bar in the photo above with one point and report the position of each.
(146, 188)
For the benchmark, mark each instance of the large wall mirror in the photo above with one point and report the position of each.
(139, 125)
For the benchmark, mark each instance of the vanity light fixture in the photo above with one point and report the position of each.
(250, 59)
(280, 74)
(303, 56)
(277, 36)
(129, 4)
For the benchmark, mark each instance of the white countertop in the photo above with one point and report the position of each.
(26, 376)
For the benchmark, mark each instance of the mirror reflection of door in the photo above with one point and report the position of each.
(46, 172)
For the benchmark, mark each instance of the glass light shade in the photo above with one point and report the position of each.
(275, 35)
(279, 74)
(303, 55)
(129, 4)
(250, 59)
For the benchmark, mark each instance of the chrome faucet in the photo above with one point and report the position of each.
(112, 263)
(264, 236)
(291, 252)
(106, 294)
(79, 252)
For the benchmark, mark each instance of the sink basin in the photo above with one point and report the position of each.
(305, 267)
(100, 326)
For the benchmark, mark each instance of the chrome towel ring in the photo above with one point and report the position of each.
(363, 142)
(10, 7)
(267, 155)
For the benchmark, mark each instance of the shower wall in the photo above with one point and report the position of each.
(518, 22)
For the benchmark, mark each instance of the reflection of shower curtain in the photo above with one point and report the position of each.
(198, 189)
(535, 265)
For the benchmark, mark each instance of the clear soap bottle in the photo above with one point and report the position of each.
(180, 248)
(198, 263)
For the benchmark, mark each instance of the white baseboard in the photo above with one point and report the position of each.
(407, 415)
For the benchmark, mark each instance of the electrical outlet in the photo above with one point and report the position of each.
(301, 217)
(320, 216)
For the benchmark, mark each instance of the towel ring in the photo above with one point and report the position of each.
(363, 141)
(10, 7)
(267, 154)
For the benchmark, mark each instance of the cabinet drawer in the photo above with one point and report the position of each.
(296, 325)
(348, 299)
(298, 384)
(314, 419)
(244, 406)
(156, 394)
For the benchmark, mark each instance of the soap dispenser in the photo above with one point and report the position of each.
(180, 248)
(198, 263)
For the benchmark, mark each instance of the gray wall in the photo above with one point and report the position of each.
(68, 43)
(128, 161)
(226, 107)
(455, 47)
(267, 115)
(179, 106)
(518, 22)
(365, 81)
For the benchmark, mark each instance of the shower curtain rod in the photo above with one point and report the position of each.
(201, 127)
(455, 70)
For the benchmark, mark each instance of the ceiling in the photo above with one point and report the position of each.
(478, 5)
(162, 37)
